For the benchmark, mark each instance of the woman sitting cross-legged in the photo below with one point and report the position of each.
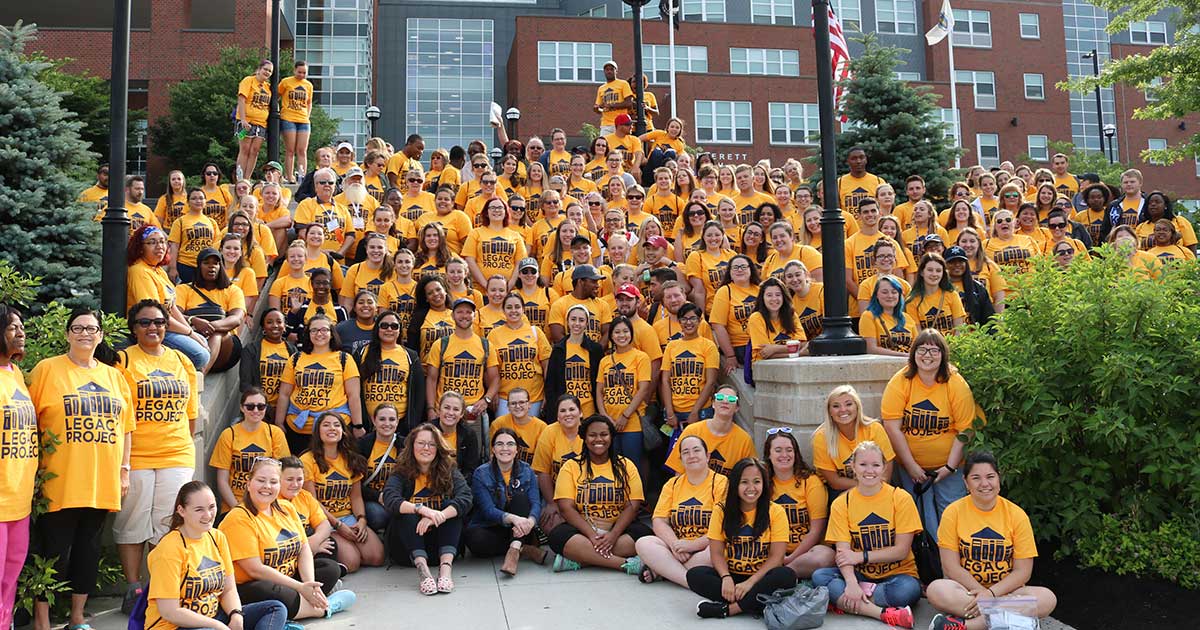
(508, 505)
(681, 518)
(797, 488)
(598, 494)
(428, 498)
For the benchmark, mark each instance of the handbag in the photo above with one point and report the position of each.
(209, 311)
(795, 608)
(652, 436)
(924, 547)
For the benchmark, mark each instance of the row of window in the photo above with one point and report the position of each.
(789, 124)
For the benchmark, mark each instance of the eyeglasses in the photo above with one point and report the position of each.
(255, 406)
(325, 182)
(1007, 220)
(885, 257)
(505, 444)
(774, 430)
(689, 319)
(1065, 252)
(521, 208)
(155, 242)
(1058, 226)
(424, 444)
(962, 193)
(729, 398)
(528, 270)
(479, 165)
(80, 329)
(157, 322)
(486, 182)
(739, 267)
(389, 325)
(314, 331)
(697, 213)
(414, 180)
(928, 351)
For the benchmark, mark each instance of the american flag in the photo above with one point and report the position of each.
(839, 54)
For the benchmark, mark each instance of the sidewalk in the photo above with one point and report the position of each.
(590, 599)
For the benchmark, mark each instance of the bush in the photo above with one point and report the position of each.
(1089, 384)
(1128, 547)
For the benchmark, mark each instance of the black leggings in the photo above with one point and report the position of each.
(406, 545)
(487, 541)
(298, 443)
(706, 582)
(72, 537)
(561, 534)
(325, 570)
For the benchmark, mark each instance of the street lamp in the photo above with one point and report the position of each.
(1095, 57)
(496, 154)
(115, 224)
(373, 113)
(1110, 130)
(513, 115)
(639, 104)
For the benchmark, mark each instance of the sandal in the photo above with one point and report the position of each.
(427, 586)
(445, 584)
(647, 575)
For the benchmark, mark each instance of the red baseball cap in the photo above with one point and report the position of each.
(623, 119)
(658, 241)
(629, 290)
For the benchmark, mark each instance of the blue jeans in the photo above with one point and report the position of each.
(933, 502)
(704, 414)
(629, 444)
(192, 349)
(265, 615)
(896, 591)
(377, 516)
(287, 126)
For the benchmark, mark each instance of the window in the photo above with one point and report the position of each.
(338, 48)
(908, 76)
(572, 62)
(772, 12)
(1152, 89)
(656, 61)
(599, 12)
(211, 15)
(1156, 144)
(850, 13)
(987, 148)
(77, 14)
(949, 119)
(1035, 87)
(972, 29)
(1149, 33)
(723, 122)
(896, 16)
(984, 84)
(649, 12)
(1039, 148)
(764, 61)
(1198, 167)
(1031, 26)
(451, 66)
(704, 10)
(795, 123)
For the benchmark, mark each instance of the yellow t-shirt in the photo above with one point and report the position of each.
(869, 523)
(413, 208)
(912, 236)
(554, 449)
(1093, 221)
(887, 331)
(383, 458)
(361, 277)
(389, 384)
(307, 508)
(537, 305)
(578, 378)
(860, 254)
(659, 138)
(760, 336)
(296, 99)
(1171, 252)
(521, 353)
(230, 298)
(437, 324)
(1066, 184)
(668, 330)
(319, 382)
(598, 496)
(166, 398)
(192, 233)
(840, 463)
(461, 366)
(276, 539)
(400, 298)
(776, 261)
(803, 501)
(747, 552)
(852, 190)
(747, 205)
(723, 450)
(456, 224)
(495, 251)
(686, 361)
(930, 417)
(95, 194)
(19, 437)
(810, 308)
(598, 314)
(866, 288)
(935, 310)
(272, 361)
(688, 508)
(285, 287)
(990, 276)
(560, 163)
(629, 146)
(88, 410)
(335, 218)
(238, 447)
(710, 270)
(192, 571)
(258, 99)
(146, 282)
(216, 204)
(423, 493)
(612, 93)
(245, 280)
(332, 487)
(1016, 252)
(731, 308)
(987, 542)
(622, 374)
(165, 214)
(528, 435)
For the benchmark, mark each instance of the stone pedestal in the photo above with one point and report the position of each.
(791, 392)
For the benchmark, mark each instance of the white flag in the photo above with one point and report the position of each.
(944, 25)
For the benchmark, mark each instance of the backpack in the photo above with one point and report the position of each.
(137, 616)
(445, 343)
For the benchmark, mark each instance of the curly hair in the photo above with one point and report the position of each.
(441, 470)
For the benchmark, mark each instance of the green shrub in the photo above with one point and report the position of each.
(1089, 384)
(1125, 546)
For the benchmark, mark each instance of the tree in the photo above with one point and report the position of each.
(199, 127)
(47, 233)
(1169, 71)
(896, 123)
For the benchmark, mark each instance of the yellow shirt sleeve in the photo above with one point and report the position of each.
(780, 531)
(895, 396)
(838, 529)
(962, 403)
(715, 531)
(568, 481)
(817, 497)
(907, 521)
(239, 530)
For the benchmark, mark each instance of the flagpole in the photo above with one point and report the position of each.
(671, 53)
(954, 101)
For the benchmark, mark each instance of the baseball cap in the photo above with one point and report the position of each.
(931, 238)
(585, 272)
(354, 172)
(275, 165)
(206, 252)
(955, 253)
(623, 119)
(658, 241)
(610, 62)
(629, 290)
(526, 263)
(461, 301)
(580, 240)
(345, 145)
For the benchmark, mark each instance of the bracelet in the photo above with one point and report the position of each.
(950, 468)
(235, 611)
(726, 576)
(992, 592)
(866, 556)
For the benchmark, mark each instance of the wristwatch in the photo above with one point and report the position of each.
(487, 399)
(357, 426)
(236, 611)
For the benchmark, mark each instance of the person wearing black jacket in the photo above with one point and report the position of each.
(975, 298)
(272, 333)
(307, 187)
(381, 447)
(561, 380)
(391, 374)
(428, 499)
(460, 437)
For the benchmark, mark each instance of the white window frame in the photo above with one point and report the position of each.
(1156, 144)
(1197, 166)
(1143, 33)
(977, 79)
(807, 114)
(972, 28)
(987, 162)
(709, 111)
(773, 12)
(600, 11)
(1151, 91)
(950, 120)
(599, 52)
(901, 15)
(687, 59)
(703, 10)
(908, 76)
(1037, 82)
(787, 61)
(1030, 20)
(850, 13)
(1038, 147)
(649, 11)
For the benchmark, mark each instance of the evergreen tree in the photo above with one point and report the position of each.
(47, 234)
(898, 124)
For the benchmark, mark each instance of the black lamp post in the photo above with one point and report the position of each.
(373, 114)
(1110, 130)
(639, 118)
(273, 119)
(496, 154)
(1095, 57)
(838, 336)
(513, 116)
(115, 225)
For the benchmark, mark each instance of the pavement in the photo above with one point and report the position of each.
(536, 599)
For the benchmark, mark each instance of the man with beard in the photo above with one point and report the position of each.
(140, 215)
(357, 199)
(668, 328)
(322, 209)
(585, 282)
(98, 192)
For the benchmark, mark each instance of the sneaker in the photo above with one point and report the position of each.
(562, 563)
(337, 586)
(713, 610)
(947, 622)
(632, 566)
(900, 617)
(292, 625)
(132, 593)
(343, 600)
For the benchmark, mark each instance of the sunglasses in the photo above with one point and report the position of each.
(255, 406)
(480, 165)
(1065, 252)
(486, 182)
(729, 398)
(774, 430)
(325, 182)
(1057, 226)
(632, 197)
(413, 180)
(1008, 220)
(521, 208)
(389, 326)
(1011, 195)
(593, 203)
(211, 173)
(528, 270)
(157, 322)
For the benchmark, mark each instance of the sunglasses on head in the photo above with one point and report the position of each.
(774, 430)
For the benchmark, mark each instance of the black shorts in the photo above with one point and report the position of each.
(254, 131)
(561, 534)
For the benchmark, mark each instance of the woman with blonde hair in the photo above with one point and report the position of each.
(1006, 246)
(441, 172)
(844, 428)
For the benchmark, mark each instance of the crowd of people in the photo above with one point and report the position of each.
(523, 359)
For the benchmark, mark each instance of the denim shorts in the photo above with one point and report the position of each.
(288, 126)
